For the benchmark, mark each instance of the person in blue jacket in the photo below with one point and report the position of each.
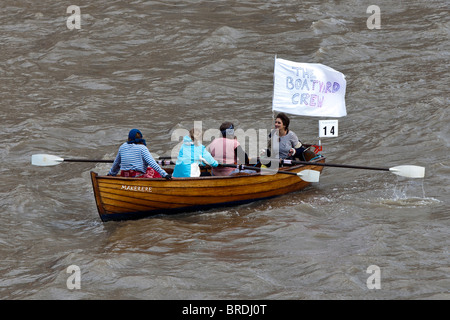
(192, 154)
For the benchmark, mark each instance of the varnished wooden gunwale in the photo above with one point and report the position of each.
(119, 198)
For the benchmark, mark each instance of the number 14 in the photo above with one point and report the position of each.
(328, 128)
(325, 131)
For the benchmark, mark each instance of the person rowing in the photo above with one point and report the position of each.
(135, 160)
(191, 155)
(227, 150)
(283, 142)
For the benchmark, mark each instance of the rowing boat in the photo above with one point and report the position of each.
(120, 198)
(132, 198)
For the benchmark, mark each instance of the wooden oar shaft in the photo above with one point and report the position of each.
(310, 163)
(160, 162)
(334, 165)
(88, 160)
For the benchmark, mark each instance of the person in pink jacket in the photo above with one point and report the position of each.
(227, 150)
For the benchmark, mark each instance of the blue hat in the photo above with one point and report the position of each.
(132, 137)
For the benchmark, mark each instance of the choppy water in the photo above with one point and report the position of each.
(160, 65)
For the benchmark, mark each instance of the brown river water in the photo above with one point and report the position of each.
(161, 65)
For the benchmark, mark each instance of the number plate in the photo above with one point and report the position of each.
(328, 128)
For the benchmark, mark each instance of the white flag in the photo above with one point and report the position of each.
(308, 89)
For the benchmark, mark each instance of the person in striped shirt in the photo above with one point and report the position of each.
(134, 159)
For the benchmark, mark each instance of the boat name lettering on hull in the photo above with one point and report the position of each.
(136, 188)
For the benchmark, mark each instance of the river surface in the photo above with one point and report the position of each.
(161, 65)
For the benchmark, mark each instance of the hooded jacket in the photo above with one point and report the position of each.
(189, 154)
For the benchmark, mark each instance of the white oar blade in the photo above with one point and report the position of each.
(409, 171)
(45, 160)
(309, 175)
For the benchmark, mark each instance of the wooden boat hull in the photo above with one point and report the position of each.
(119, 198)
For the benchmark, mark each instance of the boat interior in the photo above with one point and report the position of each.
(308, 155)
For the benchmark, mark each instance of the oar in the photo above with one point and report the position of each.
(404, 170)
(306, 175)
(51, 160)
